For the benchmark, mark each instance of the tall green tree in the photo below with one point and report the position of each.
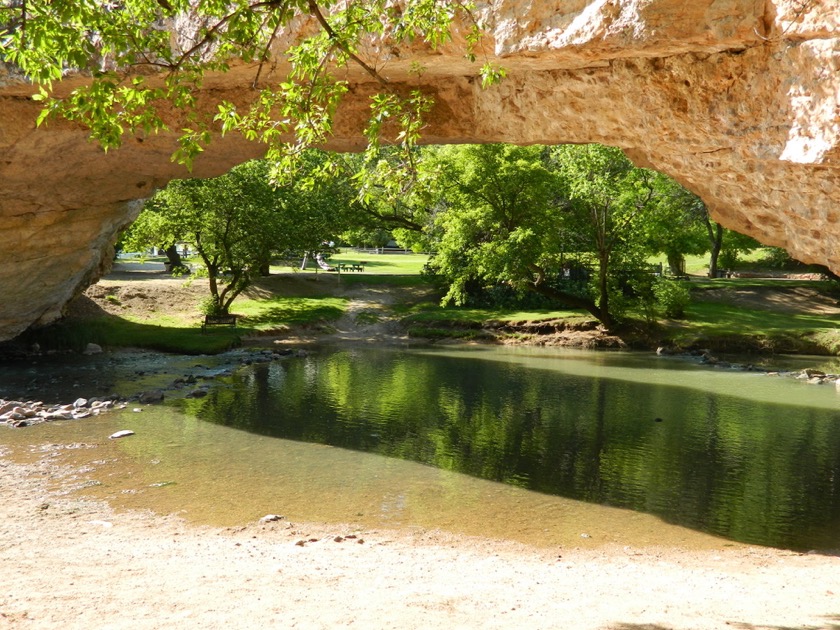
(499, 220)
(679, 226)
(238, 221)
(521, 216)
(608, 202)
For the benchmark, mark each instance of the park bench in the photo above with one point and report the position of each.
(218, 320)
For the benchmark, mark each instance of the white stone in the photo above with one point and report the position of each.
(121, 434)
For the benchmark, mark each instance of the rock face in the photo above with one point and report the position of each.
(737, 99)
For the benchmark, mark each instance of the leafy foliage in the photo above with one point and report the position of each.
(144, 58)
(574, 224)
(673, 296)
(496, 223)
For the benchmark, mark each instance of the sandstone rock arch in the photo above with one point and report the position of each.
(737, 99)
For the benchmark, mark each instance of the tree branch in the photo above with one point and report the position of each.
(394, 219)
(539, 286)
(313, 7)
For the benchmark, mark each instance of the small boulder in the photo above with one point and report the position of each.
(7, 406)
(153, 396)
(92, 348)
(813, 373)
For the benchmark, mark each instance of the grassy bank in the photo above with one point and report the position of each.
(726, 315)
(184, 335)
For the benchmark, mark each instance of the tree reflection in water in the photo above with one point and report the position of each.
(757, 472)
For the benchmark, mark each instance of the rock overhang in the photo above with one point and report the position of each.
(738, 100)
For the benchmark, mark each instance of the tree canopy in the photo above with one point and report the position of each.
(572, 223)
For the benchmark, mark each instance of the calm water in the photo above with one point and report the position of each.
(747, 456)
(577, 439)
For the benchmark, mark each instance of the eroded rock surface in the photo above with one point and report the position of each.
(737, 99)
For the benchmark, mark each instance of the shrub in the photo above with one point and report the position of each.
(210, 306)
(673, 296)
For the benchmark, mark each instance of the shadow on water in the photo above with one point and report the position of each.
(745, 456)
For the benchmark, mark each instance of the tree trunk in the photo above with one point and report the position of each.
(568, 299)
(212, 275)
(604, 291)
(676, 263)
(716, 241)
(173, 259)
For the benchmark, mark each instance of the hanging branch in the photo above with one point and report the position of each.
(316, 11)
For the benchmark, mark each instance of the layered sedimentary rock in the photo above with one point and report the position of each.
(737, 99)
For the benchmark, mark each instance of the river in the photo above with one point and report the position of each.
(540, 445)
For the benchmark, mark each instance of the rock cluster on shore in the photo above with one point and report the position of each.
(23, 413)
(810, 375)
(20, 414)
(817, 377)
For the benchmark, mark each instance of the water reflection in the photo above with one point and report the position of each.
(746, 456)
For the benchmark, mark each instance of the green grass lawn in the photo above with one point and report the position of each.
(166, 333)
(773, 330)
(762, 283)
(374, 264)
(727, 319)
(285, 300)
(118, 332)
(434, 322)
(281, 312)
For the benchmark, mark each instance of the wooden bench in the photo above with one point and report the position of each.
(218, 320)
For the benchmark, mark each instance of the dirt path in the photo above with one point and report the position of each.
(71, 563)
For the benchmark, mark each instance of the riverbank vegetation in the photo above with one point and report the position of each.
(140, 306)
(544, 245)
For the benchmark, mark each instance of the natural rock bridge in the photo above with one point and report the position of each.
(737, 99)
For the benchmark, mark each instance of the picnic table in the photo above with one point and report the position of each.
(352, 266)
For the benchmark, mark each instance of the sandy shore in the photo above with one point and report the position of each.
(66, 562)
